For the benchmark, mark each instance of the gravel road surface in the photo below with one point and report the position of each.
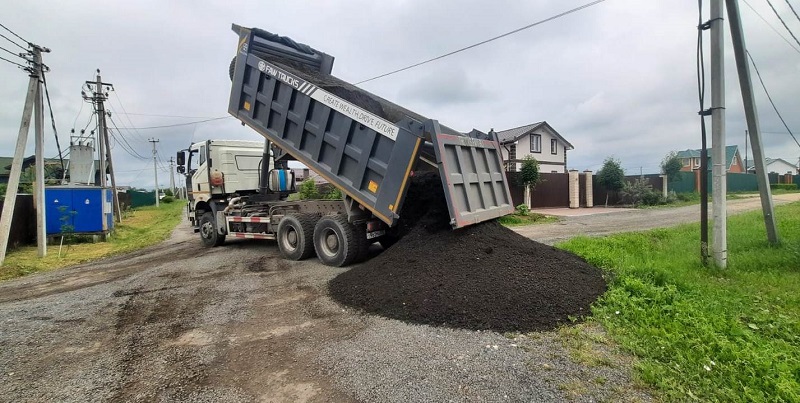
(177, 322)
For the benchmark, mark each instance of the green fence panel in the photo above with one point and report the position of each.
(684, 183)
(140, 199)
(741, 182)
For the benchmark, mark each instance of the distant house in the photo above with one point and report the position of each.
(5, 168)
(777, 165)
(539, 140)
(691, 160)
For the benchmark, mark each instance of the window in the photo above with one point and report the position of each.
(202, 155)
(553, 146)
(512, 152)
(193, 164)
(536, 143)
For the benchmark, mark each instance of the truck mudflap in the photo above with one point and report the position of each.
(475, 184)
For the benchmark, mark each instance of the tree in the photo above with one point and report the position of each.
(670, 166)
(611, 176)
(529, 176)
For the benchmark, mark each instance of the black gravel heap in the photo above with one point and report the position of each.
(482, 277)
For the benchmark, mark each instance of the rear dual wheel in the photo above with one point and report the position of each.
(295, 236)
(337, 242)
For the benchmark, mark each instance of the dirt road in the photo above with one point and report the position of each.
(636, 219)
(178, 322)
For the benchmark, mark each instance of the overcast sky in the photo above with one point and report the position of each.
(616, 79)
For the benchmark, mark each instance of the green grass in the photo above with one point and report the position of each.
(139, 228)
(514, 220)
(705, 333)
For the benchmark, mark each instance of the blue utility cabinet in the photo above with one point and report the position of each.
(88, 209)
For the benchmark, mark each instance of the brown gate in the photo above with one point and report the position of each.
(552, 191)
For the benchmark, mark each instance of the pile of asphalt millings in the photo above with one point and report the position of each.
(482, 277)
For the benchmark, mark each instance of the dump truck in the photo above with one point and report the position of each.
(365, 146)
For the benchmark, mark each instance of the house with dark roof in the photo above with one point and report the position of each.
(691, 160)
(778, 165)
(5, 168)
(539, 140)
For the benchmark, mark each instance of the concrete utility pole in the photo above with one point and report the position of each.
(38, 129)
(155, 167)
(172, 176)
(718, 170)
(33, 95)
(751, 114)
(99, 98)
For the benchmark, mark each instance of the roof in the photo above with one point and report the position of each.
(751, 164)
(730, 151)
(507, 136)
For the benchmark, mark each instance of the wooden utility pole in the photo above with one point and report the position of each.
(751, 115)
(719, 181)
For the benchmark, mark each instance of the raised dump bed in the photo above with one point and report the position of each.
(364, 145)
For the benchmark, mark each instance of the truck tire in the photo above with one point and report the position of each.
(208, 231)
(295, 236)
(335, 241)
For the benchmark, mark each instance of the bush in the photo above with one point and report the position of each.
(523, 209)
(333, 194)
(308, 190)
(640, 192)
(168, 199)
(783, 186)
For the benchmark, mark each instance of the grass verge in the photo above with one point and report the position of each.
(704, 333)
(140, 228)
(514, 220)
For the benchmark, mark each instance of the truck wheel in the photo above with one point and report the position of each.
(208, 231)
(296, 236)
(335, 240)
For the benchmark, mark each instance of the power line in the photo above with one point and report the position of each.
(792, 8)
(12, 62)
(16, 44)
(782, 22)
(771, 26)
(557, 16)
(770, 99)
(12, 53)
(52, 119)
(14, 33)
(182, 124)
(167, 116)
(133, 151)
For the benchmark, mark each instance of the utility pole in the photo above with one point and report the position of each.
(172, 176)
(155, 167)
(751, 115)
(718, 171)
(33, 96)
(99, 98)
(38, 129)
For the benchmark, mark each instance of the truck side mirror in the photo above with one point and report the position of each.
(180, 159)
(181, 169)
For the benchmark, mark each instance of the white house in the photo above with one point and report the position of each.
(777, 165)
(539, 140)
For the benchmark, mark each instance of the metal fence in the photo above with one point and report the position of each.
(552, 191)
(737, 182)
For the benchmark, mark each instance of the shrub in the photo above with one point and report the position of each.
(523, 209)
(308, 190)
(783, 186)
(640, 192)
(168, 199)
(333, 194)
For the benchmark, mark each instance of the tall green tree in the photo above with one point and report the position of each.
(529, 176)
(611, 176)
(670, 166)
